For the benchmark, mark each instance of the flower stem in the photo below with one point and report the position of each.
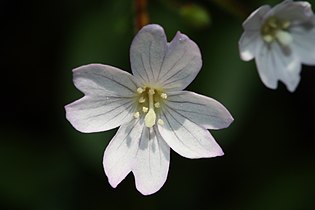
(142, 17)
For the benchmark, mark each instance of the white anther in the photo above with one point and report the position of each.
(136, 115)
(157, 105)
(286, 24)
(145, 109)
(163, 95)
(141, 100)
(140, 90)
(284, 37)
(150, 118)
(160, 122)
(268, 38)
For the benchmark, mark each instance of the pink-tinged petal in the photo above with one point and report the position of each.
(256, 18)
(169, 65)
(181, 63)
(248, 44)
(275, 63)
(147, 53)
(303, 42)
(251, 39)
(104, 80)
(186, 137)
(108, 100)
(94, 114)
(120, 154)
(152, 162)
(295, 12)
(201, 110)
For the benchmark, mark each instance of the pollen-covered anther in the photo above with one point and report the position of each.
(145, 109)
(286, 24)
(140, 90)
(268, 38)
(157, 105)
(136, 115)
(160, 122)
(141, 100)
(163, 95)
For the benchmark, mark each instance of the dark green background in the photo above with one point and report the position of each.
(45, 164)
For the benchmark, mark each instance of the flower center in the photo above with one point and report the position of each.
(276, 29)
(149, 101)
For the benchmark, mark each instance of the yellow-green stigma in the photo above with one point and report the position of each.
(276, 29)
(149, 101)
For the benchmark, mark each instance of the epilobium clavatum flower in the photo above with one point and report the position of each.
(280, 39)
(151, 108)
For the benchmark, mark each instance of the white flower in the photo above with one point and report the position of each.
(280, 39)
(150, 107)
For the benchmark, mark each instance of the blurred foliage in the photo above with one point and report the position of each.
(196, 15)
(269, 160)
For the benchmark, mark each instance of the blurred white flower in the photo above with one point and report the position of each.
(280, 39)
(150, 107)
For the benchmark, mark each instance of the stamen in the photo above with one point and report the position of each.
(140, 90)
(286, 24)
(150, 117)
(284, 37)
(160, 122)
(268, 38)
(157, 105)
(163, 95)
(145, 109)
(141, 100)
(136, 115)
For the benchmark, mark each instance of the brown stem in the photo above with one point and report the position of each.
(142, 17)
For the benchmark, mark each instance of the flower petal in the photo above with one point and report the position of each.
(248, 44)
(119, 156)
(147, 52)
(199, 109)
(99, 79)
(251, 38)
(153, 158)
(256, 18)
(303, 42)
(94, 114)
(276, 63)
(186, 137)
(108, 100)
(169, 65)
(181, 64)
(295, 12)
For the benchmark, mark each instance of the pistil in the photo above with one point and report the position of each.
(276, 29)
(150, 117)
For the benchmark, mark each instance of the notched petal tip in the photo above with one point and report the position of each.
(218, 153)
(181, 37)
(152, 28)
(145, 191)
(113, 182)
(229, 120)
(73, 120)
